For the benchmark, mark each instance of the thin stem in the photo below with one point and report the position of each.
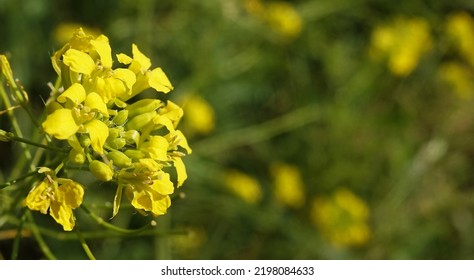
(99, 234)
(103, 223)
(15, 125)
(16, 242)
(14, 181)
(29, 142)
(84, 244)
(260, 132)
(36, 233)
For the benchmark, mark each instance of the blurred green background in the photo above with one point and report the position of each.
(338, 129)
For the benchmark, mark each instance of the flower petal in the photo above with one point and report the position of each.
(94, 101)
(102, 46)
(98, 133)
(60, 124)
(78, 61)
(38, 199)
(158, 80)
(76, 93)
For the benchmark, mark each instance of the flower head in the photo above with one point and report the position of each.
(59, 196)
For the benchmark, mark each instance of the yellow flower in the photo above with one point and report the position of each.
(288, 185)
(59, 196)
(146, 78)
(460, 29)
(60, 124)
(459, 77)
(403, 42)
(283, 18)
(243, 185)
(199, 115)
(147, 187)
(342, 218)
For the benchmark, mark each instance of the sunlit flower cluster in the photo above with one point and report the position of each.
(132, 143)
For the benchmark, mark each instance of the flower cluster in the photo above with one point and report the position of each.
(133, 144)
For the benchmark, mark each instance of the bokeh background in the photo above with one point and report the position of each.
(339, 129)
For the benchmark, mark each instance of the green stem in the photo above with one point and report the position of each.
(103, 223)
(29, 142)
(36, 233)
(15, 125)
(84, 244)
(14, 181)
(260, 132)
(16, 242)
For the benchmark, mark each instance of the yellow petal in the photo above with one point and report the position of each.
(160, 205)
(180, 170)
(94, 101)
(158, 80)
(98, 133)
(102, 46)
(38, 198)
(180, 140)
(126, 76)
(62, 215)
(140, 58)
(164, 121)
(157, 147)
(72, 192)
(76, 93)
(163, 186)
(78, 61)
(60, 124)
(124, 59)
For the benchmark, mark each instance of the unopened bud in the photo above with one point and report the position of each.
(77, 156)
(140, 121)
(119, 159)
(101, 171)
(131, 136)
(117, 143)
(135, 154)
(143, 106)
(121, 117)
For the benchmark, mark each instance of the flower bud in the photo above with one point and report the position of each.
(135, 154)
(117, 143)
(140, 121)
(77, 156)
(101, 171)
(121, 117)
(84, 140)
(119, 159)
(131, 136)
(143, 106)
(115, 132)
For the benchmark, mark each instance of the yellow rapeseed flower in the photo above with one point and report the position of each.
(402, 42)
(342, 218)
(460, 29)
(243, 186)
(199, 115)
(288, 185)
(459, 77)
(59, 196)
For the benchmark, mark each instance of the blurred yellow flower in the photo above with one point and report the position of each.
(199, 115)
(460, 29)
(402, 42)
(62, 32)
(243, 186)
(342, 218)
(281, 17)
(288, 185)
(459, 77)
